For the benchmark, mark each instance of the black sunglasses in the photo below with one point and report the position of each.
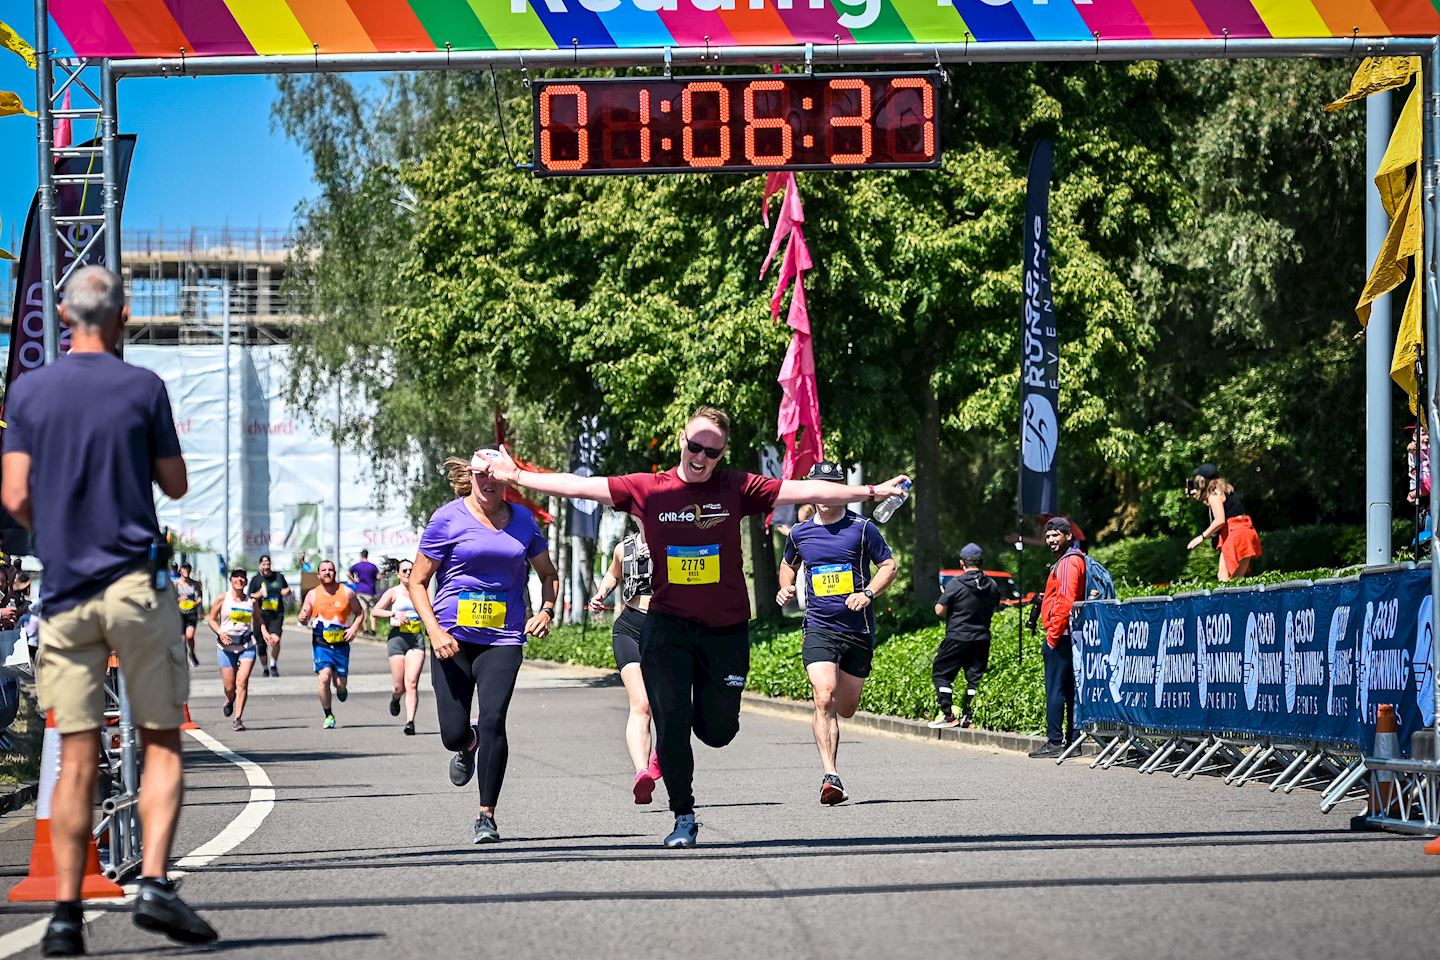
(712, 452)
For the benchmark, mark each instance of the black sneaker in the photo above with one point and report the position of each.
(275, 671)
(485, 829)
(267, 671)
(229, 707)
(159, 909)
(462, 764)
(832, 791)
(410, 729)
(394, 706)
(63, 938)
(685, 834)
(1048, 752)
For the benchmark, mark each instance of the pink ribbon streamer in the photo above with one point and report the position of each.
(799, 421)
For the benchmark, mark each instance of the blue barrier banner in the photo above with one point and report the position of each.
(1298, 663)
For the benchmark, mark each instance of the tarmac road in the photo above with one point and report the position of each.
(944, 850)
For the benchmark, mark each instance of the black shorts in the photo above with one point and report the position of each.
(852, 651)
(625, 637)
(189, 618)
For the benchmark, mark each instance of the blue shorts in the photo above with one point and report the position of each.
(334, 656)
(231, 661)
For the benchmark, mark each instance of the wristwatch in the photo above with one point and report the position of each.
(549, 612)
(869, 594)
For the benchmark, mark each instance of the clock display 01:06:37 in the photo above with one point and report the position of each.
(723, 124)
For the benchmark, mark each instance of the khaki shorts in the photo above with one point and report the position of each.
(141, 626)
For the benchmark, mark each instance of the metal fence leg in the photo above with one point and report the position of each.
(1255, 767)
(1300, 758)
(1073, 749)
(1305, 771)
(1193, 757)
(1337, 790)
(1214, 748)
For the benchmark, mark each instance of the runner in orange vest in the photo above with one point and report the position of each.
(336, 612)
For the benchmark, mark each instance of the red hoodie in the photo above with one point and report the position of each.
(1064, 586)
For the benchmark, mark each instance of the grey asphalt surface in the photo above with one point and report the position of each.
(943, 850)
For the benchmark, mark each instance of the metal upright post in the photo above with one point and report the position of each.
(109, 129)
(225, 337)
(1379, 344)
(126, 819)
(338, 410)
(1430, 162)
(45, 208)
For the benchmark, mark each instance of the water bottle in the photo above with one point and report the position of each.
(890, 504)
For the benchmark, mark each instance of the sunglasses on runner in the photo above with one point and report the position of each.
(712, 452)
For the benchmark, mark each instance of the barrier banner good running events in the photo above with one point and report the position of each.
(1299, 663)
(200, 28)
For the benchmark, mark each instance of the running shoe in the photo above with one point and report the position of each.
(63, 938)
(229, 707)
(238, 725)
(275, 671)
(1048, 752)
(194, 660)
(341, 693)
(394, 706)
(267, 671)
(685, 833)
(943, 721)
(966, 721)
(159, 909)
(654, 768)
(462, 764)
(832, 791)
(410, 729)
(329, 723)
(643, 787)
(485, 829)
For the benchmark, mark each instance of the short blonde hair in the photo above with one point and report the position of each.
(714, 416)
(458, 472)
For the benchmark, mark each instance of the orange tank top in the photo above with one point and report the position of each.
(333, 607)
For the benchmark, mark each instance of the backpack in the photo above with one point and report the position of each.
(1099, 585)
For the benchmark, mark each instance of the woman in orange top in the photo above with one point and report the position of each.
(1235, 534)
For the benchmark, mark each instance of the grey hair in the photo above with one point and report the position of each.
(93, 297)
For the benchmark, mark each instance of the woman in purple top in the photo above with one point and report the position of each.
(479, 549)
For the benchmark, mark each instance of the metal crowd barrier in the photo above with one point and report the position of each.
(117, 833)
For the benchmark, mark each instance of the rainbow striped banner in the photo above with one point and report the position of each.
(165, 28)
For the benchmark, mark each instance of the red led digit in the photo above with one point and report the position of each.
(547, 136)
(623, 125)
(897, 120)
(860, 121)
(687, 117)
(780, 122)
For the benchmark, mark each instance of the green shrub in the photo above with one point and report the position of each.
(1156, 559)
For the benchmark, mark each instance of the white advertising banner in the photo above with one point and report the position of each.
(282, 465)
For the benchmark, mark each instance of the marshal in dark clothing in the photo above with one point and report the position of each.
(968, 604)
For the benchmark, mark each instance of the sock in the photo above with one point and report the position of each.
(326, 712)
(68, 911)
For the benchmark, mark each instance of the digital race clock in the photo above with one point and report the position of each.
(729, 124)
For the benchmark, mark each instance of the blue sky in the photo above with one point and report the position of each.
(205, 156)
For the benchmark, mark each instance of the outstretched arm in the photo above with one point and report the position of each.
(567, 485)
(828, 493)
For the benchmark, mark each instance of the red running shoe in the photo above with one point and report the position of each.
(644, 787)
(654, 768)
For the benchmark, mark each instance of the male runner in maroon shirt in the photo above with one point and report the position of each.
(695, 649)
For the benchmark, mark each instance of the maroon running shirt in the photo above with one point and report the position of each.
(693, 530)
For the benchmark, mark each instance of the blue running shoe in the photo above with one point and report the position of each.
(685, 832)
(341, 693)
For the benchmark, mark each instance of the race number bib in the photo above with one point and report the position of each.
(240, 616)
(187, 605)
(332, 633)
(479, 609)
(832, 580)
(690, 566)
(270, 604)
(411, 626)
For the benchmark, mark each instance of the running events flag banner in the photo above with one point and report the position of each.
(1303, 663)
(1039, 350)
(27, 325)
(203, 28)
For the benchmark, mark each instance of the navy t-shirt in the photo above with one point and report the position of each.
(93, 426)
(365, 573)
(837, 562)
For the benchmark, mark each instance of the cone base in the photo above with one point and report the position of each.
(40, 885)
(1433, 846)
(189, 723)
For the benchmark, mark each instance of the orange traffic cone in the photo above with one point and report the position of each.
(40, 883)
(189, 724)
(1387, 746)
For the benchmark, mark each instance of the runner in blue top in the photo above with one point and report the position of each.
(837, 548)
(480, 550)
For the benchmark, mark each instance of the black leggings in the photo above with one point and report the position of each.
(694, 676)
(488, 670)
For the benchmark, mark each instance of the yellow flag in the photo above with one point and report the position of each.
(1398, 183)
(1377, 74)
(10, 105)
(1409, 342)
(1402, 156)
(11, 40)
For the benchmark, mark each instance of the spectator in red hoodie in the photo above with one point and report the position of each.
(1063, 587)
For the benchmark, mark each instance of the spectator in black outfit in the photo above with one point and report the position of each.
(968, 604)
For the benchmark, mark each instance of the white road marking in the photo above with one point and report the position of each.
(257, 808)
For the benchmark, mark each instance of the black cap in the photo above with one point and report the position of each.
(971, 552)
(1061, 524)
(826, 470)
(1207, 470)
(237, 572)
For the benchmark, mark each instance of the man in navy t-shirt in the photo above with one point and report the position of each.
(363, 575)
(88, 436)
(837, 548)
